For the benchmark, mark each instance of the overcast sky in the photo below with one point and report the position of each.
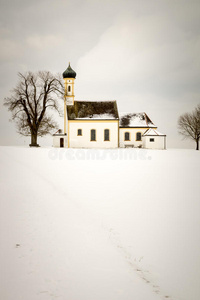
(145, 54)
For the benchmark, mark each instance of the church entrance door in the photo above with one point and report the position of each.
(61, 142)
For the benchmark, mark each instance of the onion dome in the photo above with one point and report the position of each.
(69, 73)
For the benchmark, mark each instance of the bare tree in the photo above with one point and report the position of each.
(31, 100)
(189, 125)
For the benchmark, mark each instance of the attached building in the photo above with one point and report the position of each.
(60, 139)
(131, 128)
(152, 139)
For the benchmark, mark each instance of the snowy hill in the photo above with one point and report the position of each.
(118, 224)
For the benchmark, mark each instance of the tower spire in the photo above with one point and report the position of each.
(69, 75)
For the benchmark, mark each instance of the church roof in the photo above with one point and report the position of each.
(69, 73)
(89, 110)
(153, 132)
(128, 120)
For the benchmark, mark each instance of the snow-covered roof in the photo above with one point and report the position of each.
(95, 110)
(153, 132)
(135, 120)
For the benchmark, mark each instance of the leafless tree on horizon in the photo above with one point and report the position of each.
(31, 101)
(189, 125)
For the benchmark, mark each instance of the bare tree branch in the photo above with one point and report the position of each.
(189, 125)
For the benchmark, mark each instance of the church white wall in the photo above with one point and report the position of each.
(132, 131)
(159, 142)
(56, 141)
(83, 141)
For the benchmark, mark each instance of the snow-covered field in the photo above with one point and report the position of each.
(99, 225)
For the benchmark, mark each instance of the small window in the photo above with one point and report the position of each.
(127, 136)
(93, 135)
(151, 140)
(79, 132)
(69, 88)
(138, 136)
(106, 135)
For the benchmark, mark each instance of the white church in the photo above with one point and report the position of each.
(89, 124)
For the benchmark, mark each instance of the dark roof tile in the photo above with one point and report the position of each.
(101, 110)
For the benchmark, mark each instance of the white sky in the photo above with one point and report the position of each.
(144, 54)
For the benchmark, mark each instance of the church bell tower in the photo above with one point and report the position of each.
(69, 76)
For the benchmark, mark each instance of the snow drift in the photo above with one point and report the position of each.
(99, 224)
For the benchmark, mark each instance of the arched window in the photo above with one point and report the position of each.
(138, 136)
(106, 135)
(69, 88)
(127, 136)
(93, 135)
(79, 132)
